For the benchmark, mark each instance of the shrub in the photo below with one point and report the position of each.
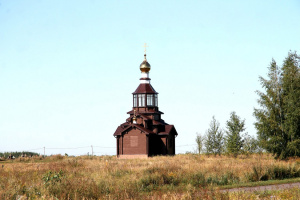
(281, 172)
(51, 178)
(197, 179)
(153, 181)
(273, 172)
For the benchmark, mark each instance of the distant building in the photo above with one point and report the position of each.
(144, 133)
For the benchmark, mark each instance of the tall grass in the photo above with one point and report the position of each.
(273, 172)
(106, 177)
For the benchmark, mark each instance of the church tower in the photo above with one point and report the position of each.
(144, 133)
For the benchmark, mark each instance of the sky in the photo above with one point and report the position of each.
(68, 68)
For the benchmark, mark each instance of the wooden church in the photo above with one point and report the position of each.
(144, 133)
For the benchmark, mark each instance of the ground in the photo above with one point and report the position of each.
(188, 176)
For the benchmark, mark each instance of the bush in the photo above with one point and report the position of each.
(197, 179)
(51, 178)
(281, 172)
(273, 172)
(153, 181)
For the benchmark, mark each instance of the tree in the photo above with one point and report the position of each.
(213, 141)
(291, 104)
(233, 140)
(278, 118)
(270, 118)
(250, 145)
(199, 141)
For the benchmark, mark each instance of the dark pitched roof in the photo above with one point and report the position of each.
(145, 88)
(144, 116)
(118, 131)
(143, 129)
(160, 122)
(121, 129)
(168, 130)
(151, 112)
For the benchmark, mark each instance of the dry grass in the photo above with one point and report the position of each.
(105, 177)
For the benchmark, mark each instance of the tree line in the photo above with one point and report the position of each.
(232, 140)
(18, 154)
(277, 118)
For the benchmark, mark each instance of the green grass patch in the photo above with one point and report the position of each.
(260, 183)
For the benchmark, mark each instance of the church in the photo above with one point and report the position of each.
(144, 133)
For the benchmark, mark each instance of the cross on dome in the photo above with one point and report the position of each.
(145, 46)
(145, 66)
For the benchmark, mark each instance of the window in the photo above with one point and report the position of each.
(150, 100)
(134, 100)
(141, 98)
(155, 100)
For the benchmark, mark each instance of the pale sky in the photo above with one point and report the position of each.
(68, 68)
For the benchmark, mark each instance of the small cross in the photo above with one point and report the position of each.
(145, 45)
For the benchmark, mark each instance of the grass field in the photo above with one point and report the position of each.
(179, 177)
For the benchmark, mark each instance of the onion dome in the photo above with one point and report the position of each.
(145, 66)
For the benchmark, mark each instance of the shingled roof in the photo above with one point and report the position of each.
(122, 129)
(168, 129)
(145, 88)
(147, 112)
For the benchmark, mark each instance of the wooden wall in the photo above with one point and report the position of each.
(134, 142)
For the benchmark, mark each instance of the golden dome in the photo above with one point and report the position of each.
(145, 66)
